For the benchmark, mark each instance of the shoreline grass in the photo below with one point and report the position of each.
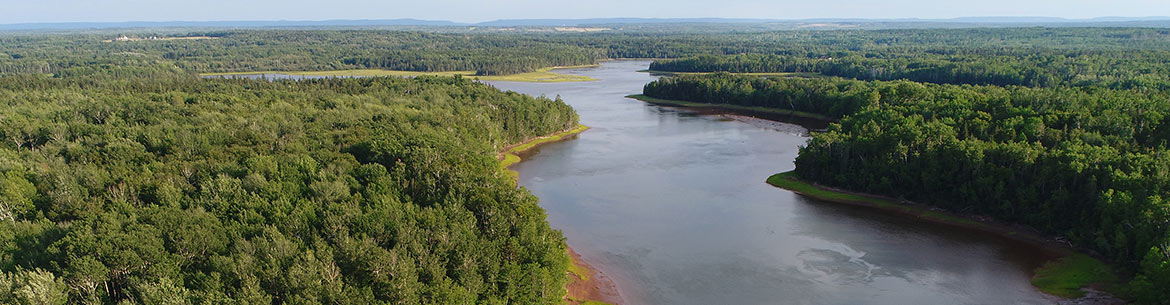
(511, 155)
(1064, 276)
(758, 109)
(584, 288)
(583, 273)
(540, 75)
(543, 75)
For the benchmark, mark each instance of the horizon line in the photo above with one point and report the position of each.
(1008, 19)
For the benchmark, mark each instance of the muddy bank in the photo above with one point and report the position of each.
(588, 284)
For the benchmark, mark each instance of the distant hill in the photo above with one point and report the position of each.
(591, 21)
(1156, 21)
(228, 24)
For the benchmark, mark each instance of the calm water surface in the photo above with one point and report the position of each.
(673, 206)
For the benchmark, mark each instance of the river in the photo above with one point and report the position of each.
(672, 205)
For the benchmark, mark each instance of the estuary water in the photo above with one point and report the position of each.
(672, 205)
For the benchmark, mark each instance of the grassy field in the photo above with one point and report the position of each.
(542, 75)
(658, 101)
(1063, 277)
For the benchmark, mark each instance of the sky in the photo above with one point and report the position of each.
(34, 11)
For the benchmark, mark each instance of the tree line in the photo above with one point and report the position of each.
(864, 54)
(1023, 67)
(830, 99)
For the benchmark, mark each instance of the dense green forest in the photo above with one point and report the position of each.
(1086, 163)
(1023, 67)
(1098, 59)
(830, 99)
(170, 189)
(288, 50)
(1091, 53)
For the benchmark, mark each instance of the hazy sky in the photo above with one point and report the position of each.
(21, 11)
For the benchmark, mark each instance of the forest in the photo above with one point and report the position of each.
(294, 50)
(1021, 60)
(830, 99)
(1111, 68)
(163, 188)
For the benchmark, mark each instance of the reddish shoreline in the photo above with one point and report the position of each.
(594, 287)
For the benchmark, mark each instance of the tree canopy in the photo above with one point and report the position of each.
(177, 190)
